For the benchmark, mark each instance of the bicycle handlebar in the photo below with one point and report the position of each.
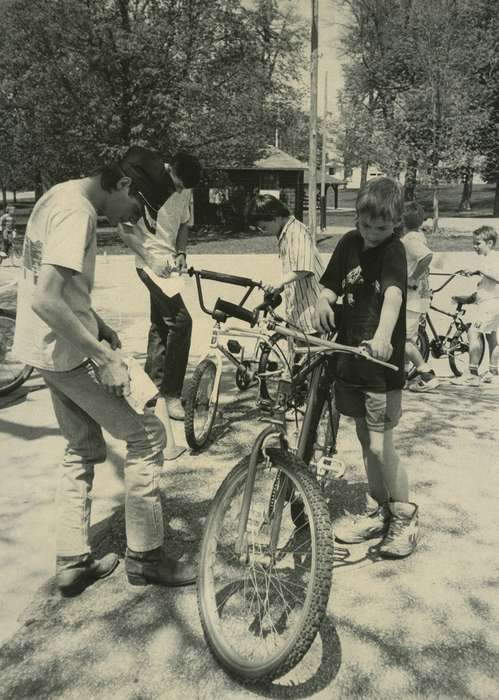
(224, 277)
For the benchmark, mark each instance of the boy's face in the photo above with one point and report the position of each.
(374, 229)
(480, 246)
(270, 227)
(121, 206)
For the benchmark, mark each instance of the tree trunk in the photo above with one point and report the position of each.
(363, 173)
(496, 199)
(410, 180)
(14, 195)
(4, 196)
(465, 204)
(434, 228)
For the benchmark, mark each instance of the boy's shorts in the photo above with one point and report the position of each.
(382, 410)
(484, 315)
(412, 319)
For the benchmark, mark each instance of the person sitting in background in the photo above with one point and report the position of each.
(419, 258)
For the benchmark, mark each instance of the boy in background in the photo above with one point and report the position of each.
(483, 311)
(419, 258)
(368, 269)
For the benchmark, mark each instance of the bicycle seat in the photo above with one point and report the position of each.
(464, 299)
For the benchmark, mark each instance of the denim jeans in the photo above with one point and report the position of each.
(169, 339)
(82, 408)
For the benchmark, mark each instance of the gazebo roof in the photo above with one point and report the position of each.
(274, 159)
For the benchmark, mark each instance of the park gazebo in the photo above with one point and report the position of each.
(225, 192)
(330, 182)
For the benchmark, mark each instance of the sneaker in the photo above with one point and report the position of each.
(74, 574)
(402, 536)
(424, 381)
(175, 408)
(467, 380)
(373, 522)
(490, 378)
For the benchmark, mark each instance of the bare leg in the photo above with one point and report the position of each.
(377, 486)
(413, 355)
(387, 478)
(475, 341)
(494, 352)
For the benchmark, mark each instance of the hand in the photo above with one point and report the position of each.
(107, 333)
(271, 289)
(380, 347)
(181, 262)
(469, 273)
(324, 320)
(113, 375)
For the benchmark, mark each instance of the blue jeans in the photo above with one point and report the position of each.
(82, 408)
(169, 339)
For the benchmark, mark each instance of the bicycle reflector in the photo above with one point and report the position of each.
(233, 346)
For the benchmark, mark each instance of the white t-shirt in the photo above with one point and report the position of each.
(298, 253)
(62, 230)
(418, 291)
(162, 245)
(487, 288)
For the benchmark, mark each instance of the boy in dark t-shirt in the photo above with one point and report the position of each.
(368, 270)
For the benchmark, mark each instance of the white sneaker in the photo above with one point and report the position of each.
(490, 378)
(467, 380)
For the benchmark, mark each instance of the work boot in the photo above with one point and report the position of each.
(373, 522)
(175, 408)
(402, 536)
(155, 567)
(74, 574)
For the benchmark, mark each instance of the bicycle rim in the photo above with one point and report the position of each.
(458, 354)
(201, 407)
(13, 372)
(261, 609)
(271, 365)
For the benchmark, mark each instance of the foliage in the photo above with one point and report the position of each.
(90, 77)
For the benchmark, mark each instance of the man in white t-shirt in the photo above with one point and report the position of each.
(58, 332)
(161, 249)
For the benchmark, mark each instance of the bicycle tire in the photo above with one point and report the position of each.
(423, 345)
(458, 353)
(222, 636)
(12, 374)
(268, 388)
(197, 428)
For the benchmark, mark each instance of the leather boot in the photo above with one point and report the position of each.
(74, 574)
(155, 567)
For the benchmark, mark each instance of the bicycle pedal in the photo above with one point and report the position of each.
(330, 466)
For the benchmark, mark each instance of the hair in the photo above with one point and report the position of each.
(381, 197)
(110, 175)
(266, 207)
(486, 233)
(187, 167)
(413, 216)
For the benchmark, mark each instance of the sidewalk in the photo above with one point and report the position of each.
(425, 627)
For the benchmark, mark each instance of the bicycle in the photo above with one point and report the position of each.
(454, 343)
(267, 552)
(201, 400)
(13, 373)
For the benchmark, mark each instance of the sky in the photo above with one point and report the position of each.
(329, 56)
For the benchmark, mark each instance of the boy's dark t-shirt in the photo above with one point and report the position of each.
(361, 277)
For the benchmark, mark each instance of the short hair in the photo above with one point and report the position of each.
(381, 197)
(266, 207)
(187, 167)
(110, 175)
(486, 233)
(413, 216)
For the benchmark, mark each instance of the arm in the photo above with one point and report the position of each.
(106, 332)
(133, 238)
(49, 304)
(182, 239)
(380, 344)
(288, 278)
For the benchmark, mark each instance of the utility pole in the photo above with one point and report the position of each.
(323, 161)
(312, 159)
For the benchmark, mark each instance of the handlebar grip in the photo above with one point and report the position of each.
(229, 309)
(227, 279)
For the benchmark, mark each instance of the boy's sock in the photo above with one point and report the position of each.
(474, 370)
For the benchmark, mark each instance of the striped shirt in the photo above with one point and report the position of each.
(298, 254)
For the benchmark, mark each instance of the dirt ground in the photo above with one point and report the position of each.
(425, 627)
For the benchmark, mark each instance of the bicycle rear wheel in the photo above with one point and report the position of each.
(13, 372)
(458, 353)
(261, 608)
(200, 405)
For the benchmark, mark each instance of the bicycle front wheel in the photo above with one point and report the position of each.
(13, 372)
(201, 405)
(458, 353)
(261, 607)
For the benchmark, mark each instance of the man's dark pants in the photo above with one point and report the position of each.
(169, 339)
